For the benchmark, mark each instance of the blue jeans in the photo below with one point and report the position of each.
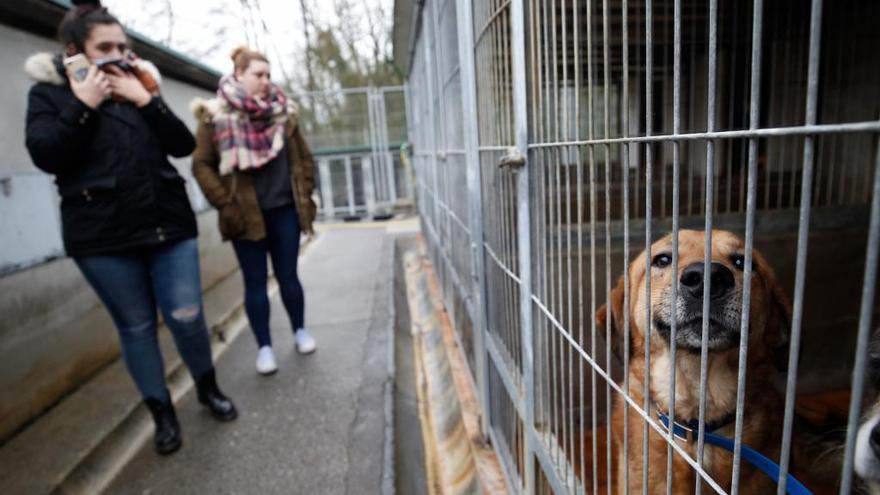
(131, 285)
(282, 244)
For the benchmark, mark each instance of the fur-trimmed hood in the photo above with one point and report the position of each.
(205, 109)
(46, 67)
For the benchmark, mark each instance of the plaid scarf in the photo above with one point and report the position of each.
(251, 133)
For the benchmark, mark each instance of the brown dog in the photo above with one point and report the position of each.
(768, 317)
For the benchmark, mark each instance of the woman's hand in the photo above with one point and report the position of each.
(127, 86)
(92, 90)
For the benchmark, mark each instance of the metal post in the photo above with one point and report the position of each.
(386, 155)
(375, 148)
(676, 192)
(467, 69)
(382, 142)
(709, 220)
(751, 193)
(411, 136)
(368, 181)
(349, 185)
(524, 210)
(872, 260)
(432, 122)
(803, 241)
(649, 185)
(371, 130)
(326, 187)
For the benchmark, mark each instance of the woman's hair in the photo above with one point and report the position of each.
(242, 57)
(79, 21)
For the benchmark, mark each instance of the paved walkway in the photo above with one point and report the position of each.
(316, 426)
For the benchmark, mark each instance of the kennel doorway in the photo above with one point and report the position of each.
(356, 135)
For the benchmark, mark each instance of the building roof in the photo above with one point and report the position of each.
(42, 17)
(407, 22)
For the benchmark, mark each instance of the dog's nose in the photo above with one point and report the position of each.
(692, 280)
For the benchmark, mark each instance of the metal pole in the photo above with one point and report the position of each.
(349, 184)
(868, 126)
(707, 246)
(524, 210)
(625, 158)
(371, 128)
(803, 241)
(326, 187)
(389, 163)
(368, 181)
(676, 192)
(464, 10)
(649, 185)
(754, 122)
(432, 128)
(865, 314)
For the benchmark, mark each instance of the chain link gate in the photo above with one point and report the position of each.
(554, 140)
(356, 135)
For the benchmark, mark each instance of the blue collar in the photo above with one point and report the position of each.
(688, 432)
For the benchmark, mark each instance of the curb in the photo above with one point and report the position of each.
(388, 473)
(458, 461)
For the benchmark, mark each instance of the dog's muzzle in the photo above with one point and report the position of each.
(724, 310)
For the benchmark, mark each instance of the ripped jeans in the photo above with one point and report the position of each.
(131, 285)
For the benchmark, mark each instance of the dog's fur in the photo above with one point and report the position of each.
(768, 321)
(867, 459)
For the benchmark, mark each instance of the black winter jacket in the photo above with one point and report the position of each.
(118, 190)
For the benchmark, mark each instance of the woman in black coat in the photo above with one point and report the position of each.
(126, 218)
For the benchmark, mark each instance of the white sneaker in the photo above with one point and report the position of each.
(305, 343)
(266, 361)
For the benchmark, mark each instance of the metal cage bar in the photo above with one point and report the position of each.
(523, 190)
(803, 238)
(570, 149)
(474, 181)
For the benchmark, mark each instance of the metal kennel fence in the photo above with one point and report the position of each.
(553, 140)
(356, 135)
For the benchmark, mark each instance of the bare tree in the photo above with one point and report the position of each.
(308, 21)
(353, 49)
(170, 11)
(215, 38)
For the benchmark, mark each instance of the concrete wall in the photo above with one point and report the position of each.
(54, 333)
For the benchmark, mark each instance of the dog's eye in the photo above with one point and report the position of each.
(739, 261)
(662, 260)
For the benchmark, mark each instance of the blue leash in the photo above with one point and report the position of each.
(752, 456)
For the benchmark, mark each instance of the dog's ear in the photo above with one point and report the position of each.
(778, 337)
(611, 322)
(781, 338)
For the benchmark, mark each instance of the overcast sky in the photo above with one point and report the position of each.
(223, 24)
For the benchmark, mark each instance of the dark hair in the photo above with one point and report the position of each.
(242, 57)
(79, 21)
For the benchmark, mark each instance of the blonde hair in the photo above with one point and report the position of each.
(242, 56)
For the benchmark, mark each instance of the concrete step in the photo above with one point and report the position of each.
(79, 445)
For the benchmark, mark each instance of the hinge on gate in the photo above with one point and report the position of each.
(475, 276)
(513, 160)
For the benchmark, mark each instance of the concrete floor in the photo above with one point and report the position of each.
(316, 426)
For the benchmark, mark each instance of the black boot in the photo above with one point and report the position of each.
(211, 397)
(167, 438)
